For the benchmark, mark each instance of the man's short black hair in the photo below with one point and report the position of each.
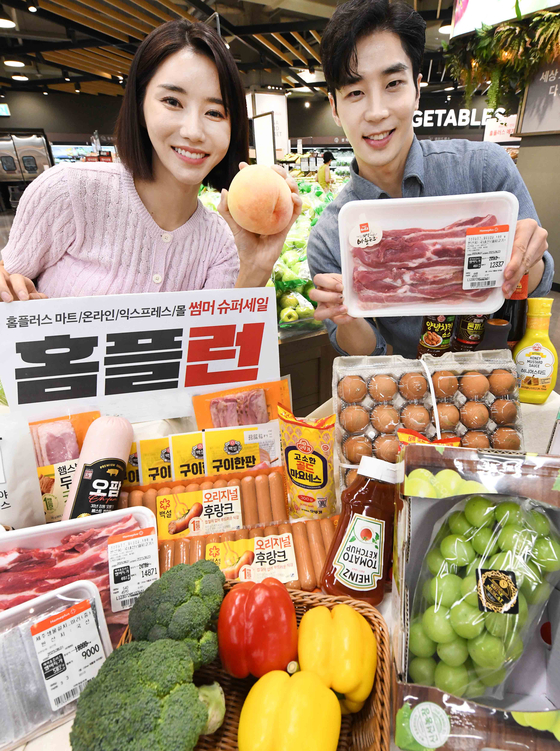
(328, 156)
(358, 18)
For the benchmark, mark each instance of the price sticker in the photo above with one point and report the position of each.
(485, 257)
(133, 566)
(70, 652)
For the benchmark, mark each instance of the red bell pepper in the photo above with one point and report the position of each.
(257, 629)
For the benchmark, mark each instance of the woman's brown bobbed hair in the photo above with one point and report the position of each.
(133, 143)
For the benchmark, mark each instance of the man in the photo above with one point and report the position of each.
(372, 54)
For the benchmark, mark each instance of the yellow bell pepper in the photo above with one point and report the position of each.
(340, 647)
(283, 713)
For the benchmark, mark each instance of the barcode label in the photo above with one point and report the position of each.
(485, 257)
(128, 602)
(133, 566)
(70, 695)
(478, 285)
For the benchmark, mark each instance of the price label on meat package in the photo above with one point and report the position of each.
(133, 566)
(70, 653)
(485, 257)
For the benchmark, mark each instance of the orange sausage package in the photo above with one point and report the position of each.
(307, 446)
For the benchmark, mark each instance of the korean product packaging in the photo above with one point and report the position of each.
(307, 446)
(382, 402)
(43, 665)
(20, 494)
(244, 405)
(476, 602)
(426, 256)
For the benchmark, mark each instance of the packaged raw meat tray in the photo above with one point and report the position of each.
(426, 256)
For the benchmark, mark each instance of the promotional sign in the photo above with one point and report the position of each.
(469, 15)
(114, 352)
(501, 130)
(540, 112)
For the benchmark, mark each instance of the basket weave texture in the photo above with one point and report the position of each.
(368, 730)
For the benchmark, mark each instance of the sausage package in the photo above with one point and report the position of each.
(307, 446)
(20, 495)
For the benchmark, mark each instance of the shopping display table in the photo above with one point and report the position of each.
(538, 422)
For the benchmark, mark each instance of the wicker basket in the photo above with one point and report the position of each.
(368, 730)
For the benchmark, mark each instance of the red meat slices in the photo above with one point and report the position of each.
(245, 408)
(416, 265)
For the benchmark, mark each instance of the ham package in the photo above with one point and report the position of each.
(426, 256)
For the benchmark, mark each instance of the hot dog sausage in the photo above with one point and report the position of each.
(136, 498)
(228, 537)
(164, 491)
(220, 484)
(193, 487)
(180, 525)
(166, 556)
(182, 552)
(242, 534)
(197, 547)
(231, 483)
(256, 532)
(123, 500)
(318, 556)
(263, 499)
(249, 502)
(284, 529)
(149, 500)
(277, 499)
(178, 489)
(270, 531)
(206, 485)
(304, 561)
(328, 532)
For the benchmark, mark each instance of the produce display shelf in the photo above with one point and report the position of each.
(368, 730)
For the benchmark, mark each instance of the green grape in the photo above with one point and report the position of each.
(437, 626)
(536, 594)
(509, 561)
(459, 525)
(555, 729)
(516, 538)
(520, 718)
(472, 567)
(487, 651)
(419, 488)
(523, 610)
(466, 621)
(501, 624)
(546, 553)
(427, 592)
(446, 482)
(484, 542)
(508, 513)
(539, 522)
(479, 511)
(421, 474)
(475, 687)
(541, 720)
(421, 670)
(453, 653)
(514, 648)
(446, 589)
(469, 590)
(490, 676)
(453, 680)
(457, 550)
(435, 561)
(419, 643)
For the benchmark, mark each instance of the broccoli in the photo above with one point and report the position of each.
(181, 606)
(143, 699)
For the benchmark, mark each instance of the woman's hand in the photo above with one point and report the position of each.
(328, 293)
(259, 253)
(17, 287)
(529, 245)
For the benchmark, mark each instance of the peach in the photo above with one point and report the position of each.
(260, 200)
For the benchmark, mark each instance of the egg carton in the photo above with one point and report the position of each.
(496, 415)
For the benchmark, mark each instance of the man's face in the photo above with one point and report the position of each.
(376, 111)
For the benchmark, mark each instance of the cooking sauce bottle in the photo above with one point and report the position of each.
(359, 558)
(535, 356)
(435, 338)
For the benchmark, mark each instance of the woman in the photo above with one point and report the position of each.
(324, 172)
(137, 226)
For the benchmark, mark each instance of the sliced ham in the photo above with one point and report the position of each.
(245, 408)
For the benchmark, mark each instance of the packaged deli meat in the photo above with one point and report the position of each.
(426, 256)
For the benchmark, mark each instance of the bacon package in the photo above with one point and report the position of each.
(426, 256)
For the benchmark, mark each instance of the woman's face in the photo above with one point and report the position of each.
(185, 117)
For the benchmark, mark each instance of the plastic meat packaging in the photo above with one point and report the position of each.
(25, 709)
(426, 256)
(489, 571)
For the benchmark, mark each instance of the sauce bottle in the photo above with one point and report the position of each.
(514, 310)
(535, 355)
(436, 335)
(468, 333)
(496, 333)
(359, 558)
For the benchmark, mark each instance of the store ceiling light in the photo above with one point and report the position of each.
(45, 93)
(5, 21)
(446, 29)
(32, 8)
(449, 88)
(307, 104)
(20, 78)
(77, 88)
(423, 84)
(11, 63)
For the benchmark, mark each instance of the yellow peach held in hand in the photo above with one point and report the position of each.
(260, 201)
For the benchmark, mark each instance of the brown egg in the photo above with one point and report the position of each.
(354, 418)
(413, 386)
(475, 439)
(449, 435)
(386, 447)
(382, 388)
(474, 414)
(503, 412)
(445, 384)
(448, 416)
(507, 439)
(415, 417)
(352, 389)
(474, 385)
(350, 477)
(355, 447)
(502, 382)
(384, 418)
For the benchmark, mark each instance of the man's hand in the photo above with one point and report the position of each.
(529, 245)
(17, 287)
(328, 293)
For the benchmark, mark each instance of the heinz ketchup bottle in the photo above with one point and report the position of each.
(359, 558)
